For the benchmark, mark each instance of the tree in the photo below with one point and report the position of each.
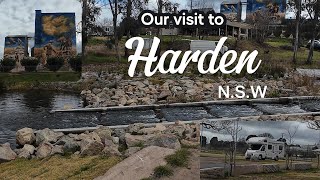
(313, 9)
(232, 128)
(90, 11)
(297, 5)
(291, 132)
(129, 23)
(116, 9)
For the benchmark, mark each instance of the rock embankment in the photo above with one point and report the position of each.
(102, 141)
(104, 90)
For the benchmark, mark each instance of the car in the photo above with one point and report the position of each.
(316, 44)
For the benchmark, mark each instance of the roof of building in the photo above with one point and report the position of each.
(239, 25)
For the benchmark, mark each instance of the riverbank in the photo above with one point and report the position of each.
(60, 81)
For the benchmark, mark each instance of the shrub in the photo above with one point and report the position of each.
(30, 64)
(180, 158)
(162, 171)
(76, 63)
(55, 63)
(7, 64)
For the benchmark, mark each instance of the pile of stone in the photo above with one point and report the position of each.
(147, 91)
(102, 141)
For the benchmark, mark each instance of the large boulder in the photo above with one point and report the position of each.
(44, 150)
(134, 128)
(153, 130)
(104, 133)
(6, 153)
(69, 143)
(140, 165)
(26, 151)
(136, 140)
(131, 150)
(57, 149)
(25, 136)
(165, 140)
(111, 149)
(91, 145)
(47, 135)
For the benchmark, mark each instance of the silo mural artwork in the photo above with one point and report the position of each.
(230, 11)
(16, 48)
(55, 35)
(276, 9)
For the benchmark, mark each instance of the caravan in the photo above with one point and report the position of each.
(265, 148)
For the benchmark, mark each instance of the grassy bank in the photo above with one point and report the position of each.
(58, 167)
(20, 81)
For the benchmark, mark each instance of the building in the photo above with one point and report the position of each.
(16, 48)
(55, 35)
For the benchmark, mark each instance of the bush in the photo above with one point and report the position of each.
(76, 63)
(55, 63)
(180, 158)
(7, 64)
(30, 64)
(162, 171)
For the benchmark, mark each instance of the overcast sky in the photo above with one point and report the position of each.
(304, 135)
(17, 17)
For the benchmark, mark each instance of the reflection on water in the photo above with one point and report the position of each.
(31, 109)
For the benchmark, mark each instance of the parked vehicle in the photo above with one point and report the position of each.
(265, 148)
(204, 45)
(316, 44)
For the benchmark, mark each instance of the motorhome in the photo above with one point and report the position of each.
(204, 45)
(265, 148)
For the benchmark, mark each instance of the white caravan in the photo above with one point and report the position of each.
(265, 148)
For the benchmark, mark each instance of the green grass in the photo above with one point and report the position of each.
(180, 158)
(163, 171)
(102, 59)
(58, 167)
(21, 81)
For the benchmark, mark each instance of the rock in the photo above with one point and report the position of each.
(164, 94)
(44, 150)
(153, 130)
(26, 151)
(134, 128)
(115, 140)
(104, 133)
(121, 134)
(317, 118)
(189, 143)
(111, 149)
(136, 140)
(131, 150)
(69, 144)
(57, 149)
(139, 165)
(6, 153)
(164, 140)
(47, 135)
(91, 145)
(25, 136)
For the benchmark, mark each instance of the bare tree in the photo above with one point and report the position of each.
(232, 128)
(291, 132)
(297, 6)
(115, 8)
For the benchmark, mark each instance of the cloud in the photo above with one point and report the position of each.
(17, 17)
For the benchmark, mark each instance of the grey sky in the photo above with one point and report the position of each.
(17, 17)
(304, 135)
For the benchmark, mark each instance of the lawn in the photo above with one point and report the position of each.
(57, 167)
